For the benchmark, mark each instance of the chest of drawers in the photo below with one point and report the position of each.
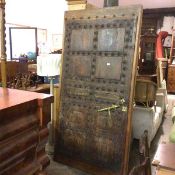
(23, 131)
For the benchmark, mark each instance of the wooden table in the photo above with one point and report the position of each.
(164, 159)
(161, 171)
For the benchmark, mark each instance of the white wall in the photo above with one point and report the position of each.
(41, 13)
(49, 14)
(46, 14)
(149, 3)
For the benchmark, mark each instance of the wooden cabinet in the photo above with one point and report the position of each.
(13, 68)
(171, 78)
(147, 54)
(23, 131)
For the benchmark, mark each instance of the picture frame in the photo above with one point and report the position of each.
(23, 43)
(57, 41)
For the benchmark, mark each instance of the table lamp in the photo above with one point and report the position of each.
(48, 65)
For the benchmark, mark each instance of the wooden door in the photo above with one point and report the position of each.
(97, 85)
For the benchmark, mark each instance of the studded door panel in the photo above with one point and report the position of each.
(97, 73)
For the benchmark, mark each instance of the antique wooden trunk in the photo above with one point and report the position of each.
(97, 85)
(23, 132)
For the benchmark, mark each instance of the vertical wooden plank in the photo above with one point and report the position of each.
(2, 43)
(133, 83)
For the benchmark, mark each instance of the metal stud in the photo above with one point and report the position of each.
(122, 91)
(124, 61)
(95, 39)
(126, 46)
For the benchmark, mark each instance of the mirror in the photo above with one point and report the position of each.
(23, 43)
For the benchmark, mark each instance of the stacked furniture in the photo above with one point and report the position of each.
(149, 117)
(23, 132)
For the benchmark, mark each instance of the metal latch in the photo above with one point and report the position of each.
(121, 105)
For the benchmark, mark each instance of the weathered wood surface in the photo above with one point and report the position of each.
(171, 78)
(23, 131)
(98, 71)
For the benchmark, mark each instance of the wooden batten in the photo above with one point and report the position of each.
(76, 4)
(2, 44)
(81, 6)
(77, 7)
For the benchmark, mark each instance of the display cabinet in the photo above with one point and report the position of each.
(147, 54)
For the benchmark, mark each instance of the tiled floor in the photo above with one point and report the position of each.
(161, 136)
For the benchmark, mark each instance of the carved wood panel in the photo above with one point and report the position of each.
(98, 72)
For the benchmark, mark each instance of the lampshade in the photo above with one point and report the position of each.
(48, 64)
